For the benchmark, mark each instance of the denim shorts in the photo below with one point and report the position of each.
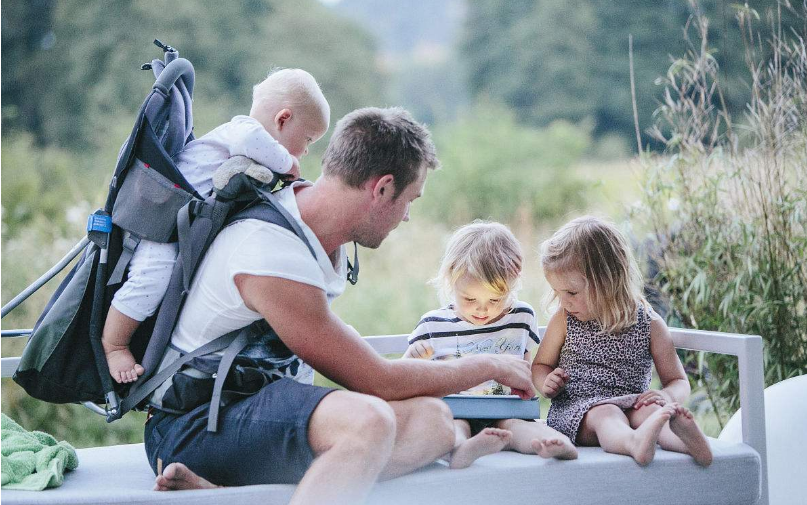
(262, 439)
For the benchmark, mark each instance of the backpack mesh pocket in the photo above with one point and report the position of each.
(147, 204)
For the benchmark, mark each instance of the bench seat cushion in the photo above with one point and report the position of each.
(120, 474)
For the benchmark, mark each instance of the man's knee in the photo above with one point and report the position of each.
(374, 421)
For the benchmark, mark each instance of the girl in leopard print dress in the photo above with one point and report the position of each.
(596, 356)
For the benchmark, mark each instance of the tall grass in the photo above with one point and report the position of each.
(727, 202)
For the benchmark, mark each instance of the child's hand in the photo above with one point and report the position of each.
(421, 349)
(650, 397)
(294, 173)
(554, 383)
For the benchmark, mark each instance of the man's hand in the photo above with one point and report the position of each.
(554, 383)
(420, 349)
(294, 173)
(512, 371)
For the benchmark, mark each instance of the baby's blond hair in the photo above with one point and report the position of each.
(600, 253)
(291, 88)
(486, 251)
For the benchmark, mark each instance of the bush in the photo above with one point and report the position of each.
(728, 205)
(494, 168)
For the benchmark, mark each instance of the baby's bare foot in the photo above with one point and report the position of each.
(178, 477)
(646, 435)
(684, 426)
(122, 366)
(554, 447)
(486, 442)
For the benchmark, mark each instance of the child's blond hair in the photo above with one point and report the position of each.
(600, 253)
(487, 252)
(292, 88)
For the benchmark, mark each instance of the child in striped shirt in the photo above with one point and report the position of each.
(478, 280)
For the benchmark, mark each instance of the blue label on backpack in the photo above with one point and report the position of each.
(100, 223)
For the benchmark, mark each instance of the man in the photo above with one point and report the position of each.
(336, 444)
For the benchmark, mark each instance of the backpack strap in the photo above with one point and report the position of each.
(139, 393)
(130, 243)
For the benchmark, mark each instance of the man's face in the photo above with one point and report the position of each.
(390, 212)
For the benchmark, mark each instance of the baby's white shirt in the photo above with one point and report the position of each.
(242, 136)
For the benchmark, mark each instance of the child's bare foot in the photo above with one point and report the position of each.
(178, 477)
(122, 366)
(486, 442)
(646, 435)
(684, 426)
(554, 447)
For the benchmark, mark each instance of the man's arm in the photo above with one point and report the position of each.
(300, 315)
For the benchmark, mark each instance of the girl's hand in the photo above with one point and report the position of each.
(650, 397)
(554, 383)
(420, 349)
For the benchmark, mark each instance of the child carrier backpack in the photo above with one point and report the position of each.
(148, 198)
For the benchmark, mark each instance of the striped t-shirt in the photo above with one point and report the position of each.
(452, 337)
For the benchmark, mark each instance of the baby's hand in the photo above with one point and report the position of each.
(294, 173)
(420, 349)
(554, 383)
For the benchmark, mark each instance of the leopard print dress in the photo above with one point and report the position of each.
(603, 368)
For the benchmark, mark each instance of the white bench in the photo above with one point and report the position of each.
(738, 474)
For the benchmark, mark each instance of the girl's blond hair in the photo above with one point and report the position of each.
(601, 254)
(486, 251)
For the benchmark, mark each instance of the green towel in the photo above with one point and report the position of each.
(33, 460)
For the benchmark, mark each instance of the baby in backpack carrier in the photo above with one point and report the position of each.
(289, 113)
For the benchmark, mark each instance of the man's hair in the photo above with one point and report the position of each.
(600, 253)
(292, 88)
(486, 251)
(373, 142)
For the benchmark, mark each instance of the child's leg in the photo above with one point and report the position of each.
(608, 426)
(538, 438)
(138, 298)
(118, 330)
(468, 449)
(681, 434)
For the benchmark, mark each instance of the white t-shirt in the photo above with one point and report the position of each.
(242, 136)
(452, 337)
(215, 307)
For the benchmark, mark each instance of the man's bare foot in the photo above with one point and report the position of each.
(646, 435)
(485, 442)
(554, 447)
(177, 476)
(684, 426)
(122, 366)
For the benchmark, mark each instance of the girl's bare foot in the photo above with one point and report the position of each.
(486, 442)
(646, 435)
(122, 366)
(177, 476)
(554, 447)
(684, 426)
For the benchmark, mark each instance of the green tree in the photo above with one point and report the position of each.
(87, 76)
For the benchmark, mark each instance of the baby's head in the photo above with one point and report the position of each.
(593, 273)
(292, 108)
(481, 271)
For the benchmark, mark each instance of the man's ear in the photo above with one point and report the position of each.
(281, 118)
(384, 186)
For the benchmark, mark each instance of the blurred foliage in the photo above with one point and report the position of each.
(493, 168)
(71, 67)
(727, 205)
(551, 60)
